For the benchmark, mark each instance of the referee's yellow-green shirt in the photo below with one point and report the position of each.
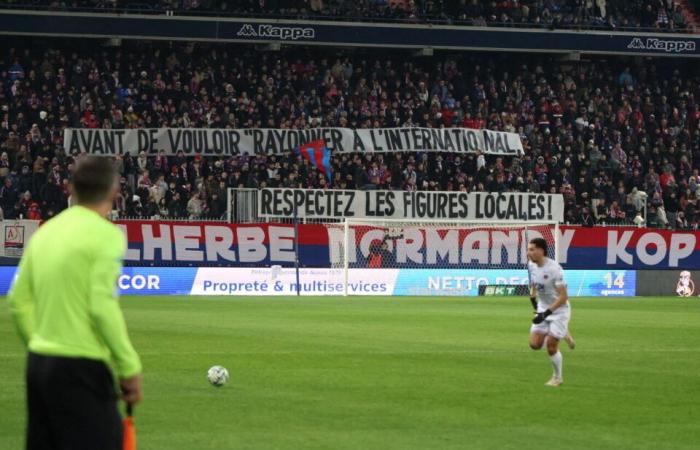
(64, 301)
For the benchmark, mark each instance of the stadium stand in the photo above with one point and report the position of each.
(615, 136)
(659, 15)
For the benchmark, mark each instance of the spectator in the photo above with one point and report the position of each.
(558, 13)
(593, 140)
(142, 162)
(639, 220)
(661, 216)
(4, 165)
(602, 212)
(671, 207)
(158, 189)
(217, 209)
(637, 199)
(8, 198)
(195, 206)
(175, 206)
(586, 219)
(681, 222)
(616, 214)
(163, 210)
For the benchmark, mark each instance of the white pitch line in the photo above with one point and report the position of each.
(421, 352)
(578, 350)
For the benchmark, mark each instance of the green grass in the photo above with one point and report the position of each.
(389, 373)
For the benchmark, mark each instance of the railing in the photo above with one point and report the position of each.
(117, 217)
(167, 219)
(243, 205)
(621, 224)
(156, 9)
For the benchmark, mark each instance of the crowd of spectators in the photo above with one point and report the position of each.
(663, 15)
(613, 136)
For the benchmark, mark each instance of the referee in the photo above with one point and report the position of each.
(65, 306)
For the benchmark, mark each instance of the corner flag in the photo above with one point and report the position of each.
(129, 441)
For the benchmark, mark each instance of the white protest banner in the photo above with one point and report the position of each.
(338, 204)
(268, 141)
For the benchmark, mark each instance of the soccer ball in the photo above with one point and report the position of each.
(217, 375)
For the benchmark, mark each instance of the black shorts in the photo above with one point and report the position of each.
(72, 405)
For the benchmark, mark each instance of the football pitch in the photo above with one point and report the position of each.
(399, 373)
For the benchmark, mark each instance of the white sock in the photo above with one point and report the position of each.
(557, 363)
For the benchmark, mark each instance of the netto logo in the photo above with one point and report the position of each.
(283, 33)
(660, 45)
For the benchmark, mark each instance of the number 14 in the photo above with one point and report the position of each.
(619, 280)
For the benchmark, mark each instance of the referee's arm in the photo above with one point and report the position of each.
(21, 299)
(104, 305)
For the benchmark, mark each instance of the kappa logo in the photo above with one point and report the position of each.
(636, 43)
(661, 45)
(282, 33)
(247, 30)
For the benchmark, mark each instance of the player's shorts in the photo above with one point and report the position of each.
(72, 404)
(555, 325)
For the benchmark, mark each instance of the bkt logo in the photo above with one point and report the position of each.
(283, 33)
(662, 45)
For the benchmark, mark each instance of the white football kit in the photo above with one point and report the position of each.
(547, 279)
